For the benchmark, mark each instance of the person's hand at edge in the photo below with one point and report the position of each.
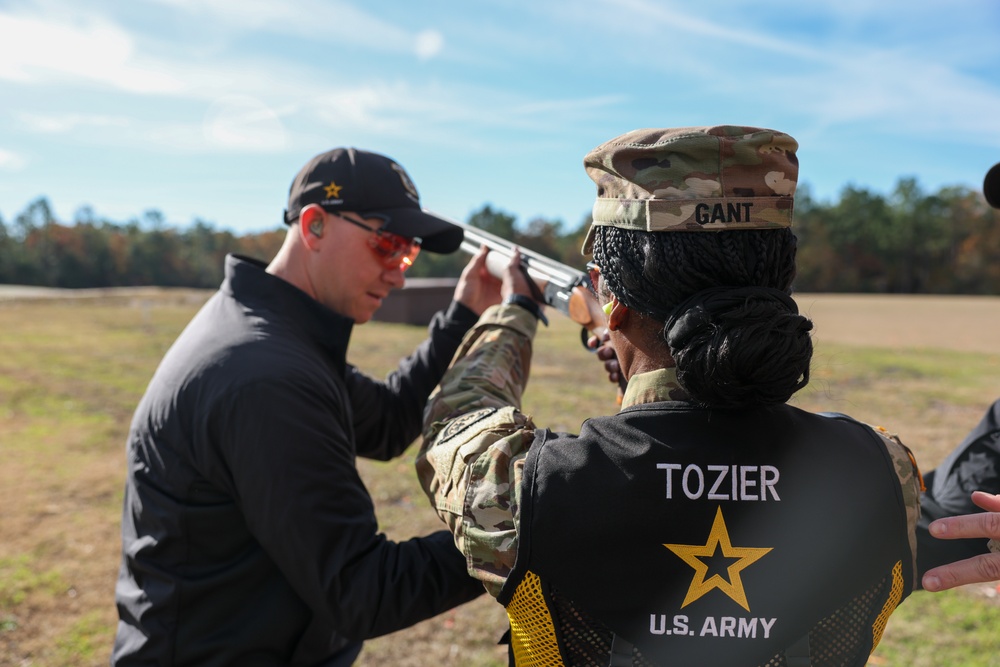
(605, 352)
(978, 569)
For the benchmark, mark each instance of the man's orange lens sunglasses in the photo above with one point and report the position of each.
(393, 250)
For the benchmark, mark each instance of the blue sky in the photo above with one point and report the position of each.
(208, 108)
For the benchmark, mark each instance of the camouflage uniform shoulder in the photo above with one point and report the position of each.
(911, 482)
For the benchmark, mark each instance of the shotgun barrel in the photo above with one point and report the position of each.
(555, 284)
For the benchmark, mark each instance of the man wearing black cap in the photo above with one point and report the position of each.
(248, 537)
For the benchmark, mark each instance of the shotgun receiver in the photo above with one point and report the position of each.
(555, 284)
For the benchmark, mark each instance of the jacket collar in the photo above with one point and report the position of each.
(248, 282)
(653, 387)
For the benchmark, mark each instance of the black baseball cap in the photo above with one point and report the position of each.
(373, 186)
(991, 186)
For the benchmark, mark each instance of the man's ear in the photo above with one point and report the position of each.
(311, 222)
(617, 314)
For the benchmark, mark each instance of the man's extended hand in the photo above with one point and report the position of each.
(606, 353)
(978, 569)
(477, 290)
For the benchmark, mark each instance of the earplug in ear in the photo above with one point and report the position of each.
(608, 307)
(316, 228)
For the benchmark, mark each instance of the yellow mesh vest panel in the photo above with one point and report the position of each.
(891, 602)
(532, 633)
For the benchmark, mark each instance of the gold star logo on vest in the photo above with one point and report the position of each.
(333, 190)
(718, 540)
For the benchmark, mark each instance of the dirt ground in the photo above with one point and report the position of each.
(49, 514)
(960, 323)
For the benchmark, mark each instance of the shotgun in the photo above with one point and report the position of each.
(554, 284)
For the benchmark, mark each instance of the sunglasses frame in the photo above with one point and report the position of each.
(393, 250)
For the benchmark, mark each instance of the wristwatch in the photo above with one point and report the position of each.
(529, 305)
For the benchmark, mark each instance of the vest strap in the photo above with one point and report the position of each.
(621, 652)
(797, 655)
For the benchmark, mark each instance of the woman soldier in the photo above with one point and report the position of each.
(708, 522)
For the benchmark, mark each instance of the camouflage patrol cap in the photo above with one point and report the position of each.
(693, 179)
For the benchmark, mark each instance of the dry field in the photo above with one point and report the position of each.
(935, 359)
(72, 369)
(956, 323)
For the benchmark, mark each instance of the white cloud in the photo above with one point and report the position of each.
(234, 123)
(61, 123)
(838, 80)
(683, 25)
(380, 109)
(277, 15)
(42, 50)
(243, 123)
(428, 44)
(10, 161)
(452, 114)
(311, 19)
(88, 49)
(891, 94)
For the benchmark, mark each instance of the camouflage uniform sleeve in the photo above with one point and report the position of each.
(476, 440)
(910, 481)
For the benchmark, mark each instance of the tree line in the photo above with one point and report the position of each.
(908, 242)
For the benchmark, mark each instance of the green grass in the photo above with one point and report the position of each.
(84, 641)
(941, 629)
(70, 376)
(19, 578)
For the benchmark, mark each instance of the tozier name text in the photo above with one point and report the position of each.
(718, 482)
(722, 626)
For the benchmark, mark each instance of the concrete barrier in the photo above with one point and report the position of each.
(417, 302)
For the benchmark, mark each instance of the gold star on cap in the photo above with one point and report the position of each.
(719, 537)
(333, 190)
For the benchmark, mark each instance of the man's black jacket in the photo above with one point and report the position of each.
(248, 537)
(974, 465)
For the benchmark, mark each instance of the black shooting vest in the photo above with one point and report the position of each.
(700, 537)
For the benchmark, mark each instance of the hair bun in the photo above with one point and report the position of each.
(737, 348)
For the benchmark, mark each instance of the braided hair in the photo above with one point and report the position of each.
(724, 299)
